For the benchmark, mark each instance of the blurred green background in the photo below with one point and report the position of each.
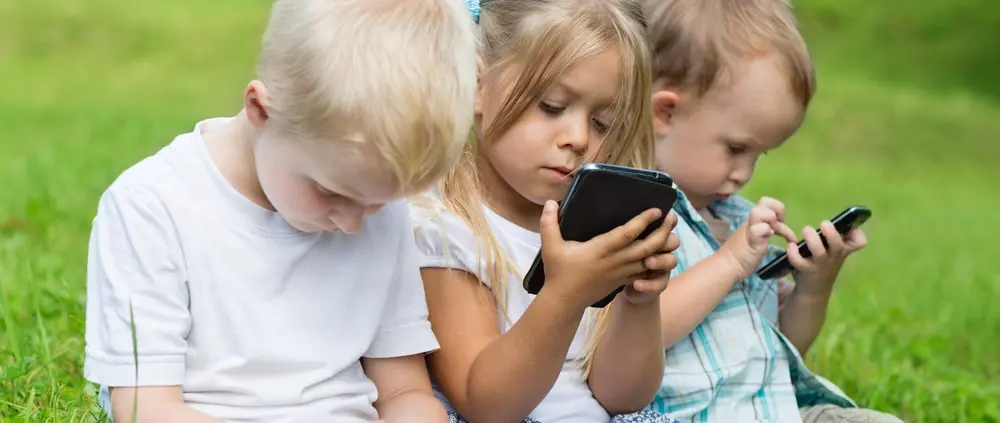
(905, 121)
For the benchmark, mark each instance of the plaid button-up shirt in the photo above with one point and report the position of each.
(736, 366)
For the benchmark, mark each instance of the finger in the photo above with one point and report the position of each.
(673, 243)
(624, 235)
(795, 258)
(855, 240)
(815, 244)
(761, 214)
(760, 233)
(775, 205)
(628, 272)
(549, 225)
(666, 262)
(671, 221)
(785, 232)
(834, 242)
(649, 286)
(646, 247)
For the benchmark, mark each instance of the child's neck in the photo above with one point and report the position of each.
(231, 147)
(505, 201)
(719, 226)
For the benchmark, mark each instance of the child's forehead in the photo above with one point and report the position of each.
(346, 153)
(749, 82)
(351, 169)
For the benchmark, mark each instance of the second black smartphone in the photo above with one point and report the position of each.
(850, 218)
(601, 198)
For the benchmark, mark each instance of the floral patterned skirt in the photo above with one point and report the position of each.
(644, 416)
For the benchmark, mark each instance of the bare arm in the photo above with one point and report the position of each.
(694, 293)
(486, 376)
(404, 390)
(802, 317)
(156, 404)
(803, 314)
(628, 363)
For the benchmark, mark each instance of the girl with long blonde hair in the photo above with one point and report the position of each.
(561, 83)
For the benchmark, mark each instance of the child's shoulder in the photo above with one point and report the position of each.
(429, 213)
(154, 178)
(440, 233)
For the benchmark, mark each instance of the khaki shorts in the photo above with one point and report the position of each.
(833, 414)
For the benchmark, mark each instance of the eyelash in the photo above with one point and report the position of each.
(599, 126)
(323, 191)
(550, 109)
(737, 149)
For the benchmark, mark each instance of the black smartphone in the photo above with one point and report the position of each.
(603, 197)
(850, 218)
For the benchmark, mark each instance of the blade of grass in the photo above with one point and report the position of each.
(135, 356)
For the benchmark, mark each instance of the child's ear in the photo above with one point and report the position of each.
(665, 103)
(480, 87)
(256, 102)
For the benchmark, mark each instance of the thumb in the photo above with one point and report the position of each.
(549, 224)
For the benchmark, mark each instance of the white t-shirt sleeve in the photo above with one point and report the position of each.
(135, 276)
(444, 240)
(405, 328)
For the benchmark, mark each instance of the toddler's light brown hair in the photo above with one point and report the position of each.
(697, 43)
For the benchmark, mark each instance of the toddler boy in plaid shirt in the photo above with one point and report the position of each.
(732, 81)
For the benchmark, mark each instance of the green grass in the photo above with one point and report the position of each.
(91, 86)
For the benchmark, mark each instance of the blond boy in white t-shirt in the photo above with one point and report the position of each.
(264, 263)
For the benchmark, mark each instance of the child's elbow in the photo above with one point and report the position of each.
(623, 401)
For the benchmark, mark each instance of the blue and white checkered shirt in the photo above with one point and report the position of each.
(736, 366)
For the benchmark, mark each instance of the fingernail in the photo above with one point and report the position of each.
(549, 205)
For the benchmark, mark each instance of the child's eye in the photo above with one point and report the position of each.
(601, 127)
(323, 191)
(737, 149)
(550, 109)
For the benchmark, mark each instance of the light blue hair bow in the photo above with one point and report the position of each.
(473, 6)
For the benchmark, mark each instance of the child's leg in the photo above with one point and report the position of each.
(644, 416)
(832, 414)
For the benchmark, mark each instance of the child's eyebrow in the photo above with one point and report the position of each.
(569, 90)
(744, 141)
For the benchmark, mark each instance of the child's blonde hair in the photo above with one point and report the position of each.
(696, 42)
(542, 40)
(401, 74)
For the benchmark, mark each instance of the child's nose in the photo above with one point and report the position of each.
(741, 174)
(576, 135)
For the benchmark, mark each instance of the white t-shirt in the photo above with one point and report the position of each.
(256, 321)
(445, 241)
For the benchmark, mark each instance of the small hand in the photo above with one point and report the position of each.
(581, 273)
(648, 286)
(816, 274)
(748, 245)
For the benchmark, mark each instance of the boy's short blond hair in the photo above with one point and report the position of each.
(696, 42)
(401, 74)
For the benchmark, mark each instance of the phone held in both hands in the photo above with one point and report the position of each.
(850, 218)
(603, 197)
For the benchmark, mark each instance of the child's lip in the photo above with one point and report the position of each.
(561, 169)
